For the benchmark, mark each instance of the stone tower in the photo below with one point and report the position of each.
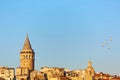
(26, 61)
(27, 55)
(90, 71)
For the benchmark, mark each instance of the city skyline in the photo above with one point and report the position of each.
(62, 33)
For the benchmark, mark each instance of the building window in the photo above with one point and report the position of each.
(90, 73)
(83, 79)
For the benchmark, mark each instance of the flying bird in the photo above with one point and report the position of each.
(110, 38)
(108, 46)
(106, 43)
(103, 44)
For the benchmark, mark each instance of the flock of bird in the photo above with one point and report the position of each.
(106, 43)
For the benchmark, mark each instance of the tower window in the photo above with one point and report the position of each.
(90, 73)
(26, 57)
(29, 57)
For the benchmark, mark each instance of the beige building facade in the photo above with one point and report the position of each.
(7, 73)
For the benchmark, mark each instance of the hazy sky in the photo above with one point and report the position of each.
(63, 33)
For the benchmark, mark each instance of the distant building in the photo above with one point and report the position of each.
(104, 76)
(53, 73)
(7, 73)
(37, 75)
(85, 74)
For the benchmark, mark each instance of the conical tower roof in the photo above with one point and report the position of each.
(27, 45)
(89, 63)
